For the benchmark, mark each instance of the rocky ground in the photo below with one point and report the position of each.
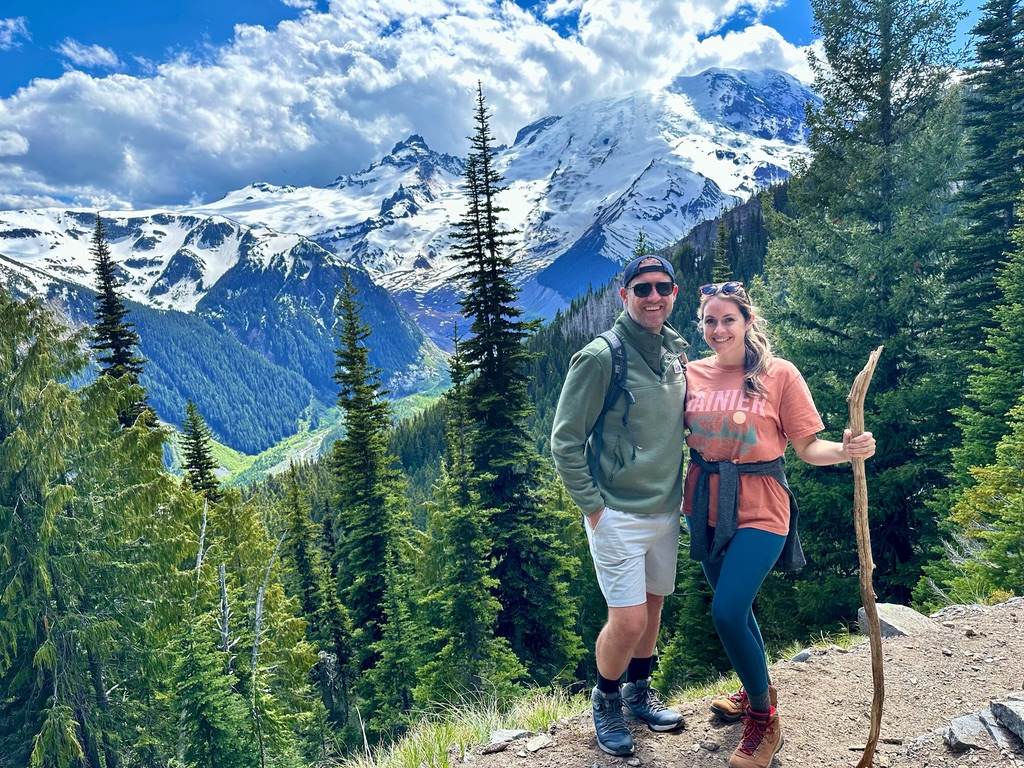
(950, 667)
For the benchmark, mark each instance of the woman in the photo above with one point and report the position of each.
(742, 407)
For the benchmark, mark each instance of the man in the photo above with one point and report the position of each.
(631, 504)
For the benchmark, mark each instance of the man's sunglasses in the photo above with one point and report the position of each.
(727, 288)
(643, 290)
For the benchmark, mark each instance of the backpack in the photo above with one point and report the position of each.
(595, 437)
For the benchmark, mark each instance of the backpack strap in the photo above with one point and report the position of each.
(616, 387)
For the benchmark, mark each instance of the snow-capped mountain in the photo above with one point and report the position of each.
(263, 263)
(580, 188)
(255, 308)
(166, 260)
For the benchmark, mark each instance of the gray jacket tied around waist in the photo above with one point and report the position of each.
(792, 557)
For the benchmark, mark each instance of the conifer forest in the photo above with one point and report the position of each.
(157, 619)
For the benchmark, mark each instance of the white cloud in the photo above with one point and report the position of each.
(12, 144)
(330, 92)
(556, 9)
(753, 48)
(12, 31)
(94, 56)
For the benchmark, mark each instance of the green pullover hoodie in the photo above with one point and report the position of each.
(644, 481)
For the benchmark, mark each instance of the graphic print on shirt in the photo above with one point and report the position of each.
(720, 425)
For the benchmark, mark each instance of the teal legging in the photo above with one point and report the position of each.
(736, 579)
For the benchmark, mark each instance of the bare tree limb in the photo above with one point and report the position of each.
(867, 566)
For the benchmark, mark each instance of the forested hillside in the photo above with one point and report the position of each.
(150, 620)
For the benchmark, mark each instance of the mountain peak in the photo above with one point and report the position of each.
(413, 155)
(415, 143)
(768, 104)
(529, 133)
(412, 151)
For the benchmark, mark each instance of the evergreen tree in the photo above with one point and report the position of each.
(278, 660)
(327, 626)
(114, 338)
(979, 512)
(458, 425)
(885, 69)
(388, 685)
(464, 656)
(371, 514)
(584, 591)
(215, 724)
(642, 247)
(986, 554)
(531, 565)
(239, 601)
(991, 186)
(199, 464)
(721, 271)
(860, 266)
(79, 543)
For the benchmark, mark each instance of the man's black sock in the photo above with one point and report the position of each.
(639, 669)
(605, 685)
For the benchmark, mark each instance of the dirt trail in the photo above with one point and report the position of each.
(970, 655)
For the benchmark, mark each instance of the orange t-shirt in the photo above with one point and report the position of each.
(725, 424)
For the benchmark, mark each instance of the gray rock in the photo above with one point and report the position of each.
(1002, 736)
(539, 742)
(966, 732)
(804, 655)
(896, 620)
(1010, 712)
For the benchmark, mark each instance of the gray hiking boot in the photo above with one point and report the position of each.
(642, 700)
(612, 735)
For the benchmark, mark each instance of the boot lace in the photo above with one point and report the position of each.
(739, 697)
(754, 731)
(608, 718)
(649, 696)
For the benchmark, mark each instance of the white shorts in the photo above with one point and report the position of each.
(634, 555)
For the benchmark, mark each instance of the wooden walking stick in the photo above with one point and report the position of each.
(867, 566)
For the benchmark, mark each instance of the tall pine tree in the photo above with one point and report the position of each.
(991, 187)
(197, 446)
(982, 515)
(371, 515)
(215, 728)
(327, 625)
(721, 271)
(79, 543)
(861, 265)
(114, 338)
(531, 565)
(463, 655)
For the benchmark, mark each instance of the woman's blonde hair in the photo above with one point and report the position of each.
(757, 347)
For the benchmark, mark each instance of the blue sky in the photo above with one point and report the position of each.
(137, 103)
(150, 30)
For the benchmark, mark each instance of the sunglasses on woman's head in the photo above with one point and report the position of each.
(643, 290)
(731, 287)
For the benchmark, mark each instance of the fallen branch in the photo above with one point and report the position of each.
(867, 566)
